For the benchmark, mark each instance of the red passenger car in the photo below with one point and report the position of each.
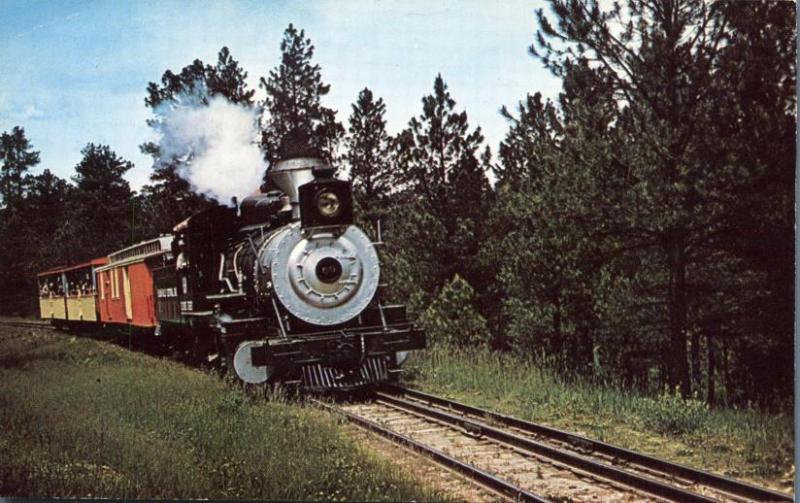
(126, 284)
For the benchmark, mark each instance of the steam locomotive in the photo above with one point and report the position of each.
(283, 288)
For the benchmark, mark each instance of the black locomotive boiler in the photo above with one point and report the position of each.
(286, 289)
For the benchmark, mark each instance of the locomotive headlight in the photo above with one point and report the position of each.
(328, 204)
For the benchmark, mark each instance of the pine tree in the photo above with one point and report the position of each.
(531, 138)
(671, 152)
(46, 210)
(548, 231)
(438, 161)
(451, 319)
(17, 158)
(293, 102)
(46, 201)
(757, 69)
(228, 79)
(368, 154)
(436, 145)
(657, 55)
(170, 198)
(191, 79)
(101, 204)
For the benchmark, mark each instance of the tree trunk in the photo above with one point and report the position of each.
(679, 368)
(558, 336)
(696, 374)
(711, 369)
(726, 375)
(586, 345)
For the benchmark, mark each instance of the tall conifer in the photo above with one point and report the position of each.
(439, 161)
(17, 157)
(170, 198)
(293, 103)
(369, 155)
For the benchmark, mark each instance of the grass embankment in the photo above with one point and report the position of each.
(86, 418)
(744, 444)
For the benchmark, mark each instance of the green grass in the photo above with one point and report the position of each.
(740, 443)
(85, 418)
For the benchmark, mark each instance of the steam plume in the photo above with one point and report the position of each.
(215, 145)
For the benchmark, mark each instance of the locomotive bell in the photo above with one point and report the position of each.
(290, 174)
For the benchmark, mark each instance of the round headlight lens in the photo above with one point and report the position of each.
(328, 204)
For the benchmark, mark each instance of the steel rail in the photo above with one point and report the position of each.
(719, 482)
(646, 484)
(476, 474)
(26, 324)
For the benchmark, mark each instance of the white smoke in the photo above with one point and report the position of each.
(215, 145)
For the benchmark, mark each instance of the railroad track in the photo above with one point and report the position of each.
(26, 324)
(530, 462)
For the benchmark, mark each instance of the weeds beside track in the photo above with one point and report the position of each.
(652, 475)
(85, 418)
(745, 444)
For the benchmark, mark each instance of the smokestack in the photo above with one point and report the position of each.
(290, 174)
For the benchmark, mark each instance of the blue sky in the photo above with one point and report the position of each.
(73, 72)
